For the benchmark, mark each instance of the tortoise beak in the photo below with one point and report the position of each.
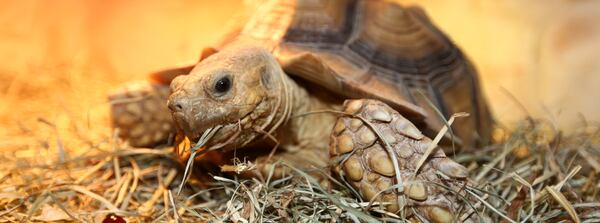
(182, 112)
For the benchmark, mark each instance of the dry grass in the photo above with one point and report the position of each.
(534, 174)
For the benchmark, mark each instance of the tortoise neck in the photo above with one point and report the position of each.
(303, 128)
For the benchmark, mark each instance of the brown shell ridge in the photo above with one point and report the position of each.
(269, 23)
(418, 49)
(421, 66)
(426, 66)
(305, 28)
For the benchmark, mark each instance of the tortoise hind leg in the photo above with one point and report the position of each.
(361, 156)
(139, 112)
(139, 109)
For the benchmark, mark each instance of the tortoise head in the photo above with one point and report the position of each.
(236, 89)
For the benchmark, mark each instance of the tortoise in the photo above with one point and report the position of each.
(356, 86)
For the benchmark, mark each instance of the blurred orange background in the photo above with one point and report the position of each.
(60, 58)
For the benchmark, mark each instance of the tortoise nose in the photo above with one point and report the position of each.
(178, 103)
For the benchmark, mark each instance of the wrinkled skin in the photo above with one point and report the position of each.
(245, 100)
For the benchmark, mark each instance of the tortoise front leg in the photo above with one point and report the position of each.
(139, 109)
(374, 147)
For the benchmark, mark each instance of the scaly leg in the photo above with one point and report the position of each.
(363, 159)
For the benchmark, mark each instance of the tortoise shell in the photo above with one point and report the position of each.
(375, 49)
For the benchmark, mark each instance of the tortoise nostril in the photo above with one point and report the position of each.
(176, 105)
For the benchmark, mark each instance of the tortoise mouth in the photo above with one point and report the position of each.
(224, 133)
(183, 125)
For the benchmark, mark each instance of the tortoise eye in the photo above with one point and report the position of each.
(222, 85)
